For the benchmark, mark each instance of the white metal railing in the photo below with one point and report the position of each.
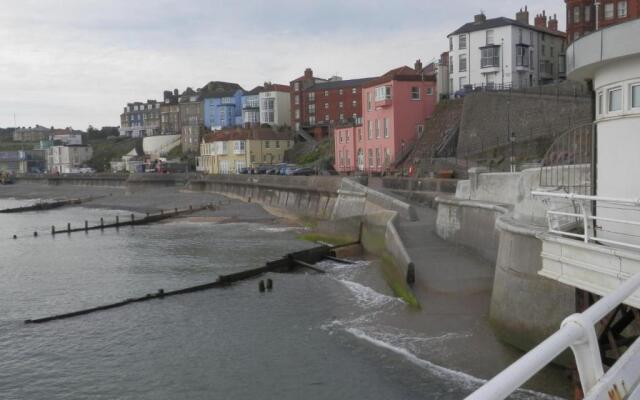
(578, 333)
(579, 211)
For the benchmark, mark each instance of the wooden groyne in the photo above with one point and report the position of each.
(44, 205)
(289, 263)
(133, 221)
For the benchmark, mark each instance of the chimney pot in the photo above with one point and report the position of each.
(479, 18)
(418, 65)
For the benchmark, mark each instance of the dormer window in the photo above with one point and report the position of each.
(383, 93)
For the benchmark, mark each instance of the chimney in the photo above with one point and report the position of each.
(479, 18)
(308, 73)
(523, 16)
(541, 20)
(553, 23)
(418, 66)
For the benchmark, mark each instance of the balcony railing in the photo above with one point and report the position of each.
(616, 223)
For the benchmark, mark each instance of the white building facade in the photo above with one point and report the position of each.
(67, 159)
(503, 53)
(275, 106)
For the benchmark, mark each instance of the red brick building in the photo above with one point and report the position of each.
(319, 104)
(584, 17)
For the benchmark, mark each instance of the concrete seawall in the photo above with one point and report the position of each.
(496, 216)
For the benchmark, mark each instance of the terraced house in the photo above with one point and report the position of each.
(222, 102)
(231, 150)
(140, 119)
(500, 53)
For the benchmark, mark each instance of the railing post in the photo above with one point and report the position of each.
(585, 221)
(586, 352)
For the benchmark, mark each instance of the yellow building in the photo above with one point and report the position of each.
(229, 151)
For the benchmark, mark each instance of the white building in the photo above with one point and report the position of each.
(502, 52)
(275, 105)
(67, 159)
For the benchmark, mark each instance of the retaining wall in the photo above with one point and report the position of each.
(495, 215)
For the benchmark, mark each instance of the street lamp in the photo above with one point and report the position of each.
(512, 140)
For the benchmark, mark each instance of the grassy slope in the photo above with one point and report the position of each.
(106, 150)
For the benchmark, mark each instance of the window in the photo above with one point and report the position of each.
(312, 119)
(608, 11)
(450, 44)
(386, 127)
(419, 129)
(543, 50)
(635, 96)
(615, 99)
(326, 117)
(377, 129)
(340, 92)
(326, 93)
(383, 93)
(341, 117)
(522, 58)
(296, 86)
(429, 91)
(267, 144)
(576, 14)
(587, 13)
(326, 106)
(277, 144)
(622, 9)
(490, 37)
(312, 96)
(369, 101)
(347, 136)
(370, 152)
(341, 104)
(354, 103)
(297, 99)
(377, 157)
(415, 93)
(490, 57)
(354, 91)
(462, 42)
(312, 108)
(297, 113)
(462, 63)
(369, 131)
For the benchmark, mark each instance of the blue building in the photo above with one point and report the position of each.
(222, 103)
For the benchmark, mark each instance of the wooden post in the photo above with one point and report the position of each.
(117, 221)
(175, 211)
(68, 227)
(101, 223)
(161, 212)
(133, 219)
(86, 225)
(53, 230)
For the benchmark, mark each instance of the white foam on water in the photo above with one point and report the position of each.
(467, 381)
(279, 229)
(366, 296)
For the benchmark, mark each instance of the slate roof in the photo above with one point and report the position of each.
(403, 73)
(500, 22)
(255, 91)
(246, 134)
(217, 89)
(339, 84)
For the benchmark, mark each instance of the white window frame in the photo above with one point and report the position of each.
(609, 11)
(632, 106)
(621, 11)
(462, 63)
(462, 42)
(490, 37)
(610, 91)
(415, 93)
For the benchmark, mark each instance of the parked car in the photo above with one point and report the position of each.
(243, 171)
(303, 172)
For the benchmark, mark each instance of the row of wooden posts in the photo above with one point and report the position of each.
(148, 219)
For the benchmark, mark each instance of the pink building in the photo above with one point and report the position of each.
(347, 138)
(395, 107)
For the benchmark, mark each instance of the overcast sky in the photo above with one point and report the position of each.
(78, 62)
